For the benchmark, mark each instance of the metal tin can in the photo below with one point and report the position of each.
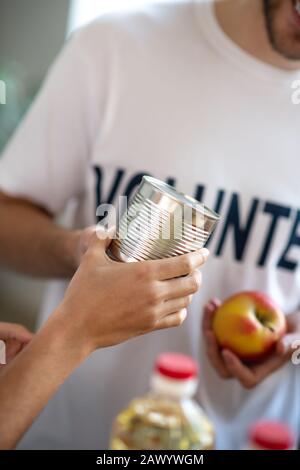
(160, 223)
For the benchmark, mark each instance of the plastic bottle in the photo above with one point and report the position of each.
(270, 435)
(167, 418)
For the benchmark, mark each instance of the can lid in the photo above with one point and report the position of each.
(176, 366)
(181, 198)
(272, 435)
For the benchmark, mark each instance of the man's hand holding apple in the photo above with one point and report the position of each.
(231, 365)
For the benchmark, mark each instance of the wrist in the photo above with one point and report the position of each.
(67, 337)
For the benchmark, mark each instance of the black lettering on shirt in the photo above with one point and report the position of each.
(232, 223)
(294, 240)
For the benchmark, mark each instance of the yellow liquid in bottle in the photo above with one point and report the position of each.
(155, 423)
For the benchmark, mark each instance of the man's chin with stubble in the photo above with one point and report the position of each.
(283, 26)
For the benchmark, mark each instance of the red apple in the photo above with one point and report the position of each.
(249, 324)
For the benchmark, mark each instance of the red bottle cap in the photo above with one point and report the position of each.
(176, 366)
(272, 435)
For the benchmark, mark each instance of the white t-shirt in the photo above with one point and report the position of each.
(165, 92)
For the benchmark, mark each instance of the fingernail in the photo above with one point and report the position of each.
(183, 314)
(205, 253)
(283, 346)
(227, 358)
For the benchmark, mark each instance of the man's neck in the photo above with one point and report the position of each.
(244, 22)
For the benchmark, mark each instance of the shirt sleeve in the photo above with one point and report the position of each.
(46, 159)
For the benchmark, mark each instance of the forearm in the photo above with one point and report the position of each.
(28, 382)
(32, 243)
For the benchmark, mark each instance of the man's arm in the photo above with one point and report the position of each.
(32, 243)
(46, 160)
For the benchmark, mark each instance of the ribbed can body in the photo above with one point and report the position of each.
(160, 223)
